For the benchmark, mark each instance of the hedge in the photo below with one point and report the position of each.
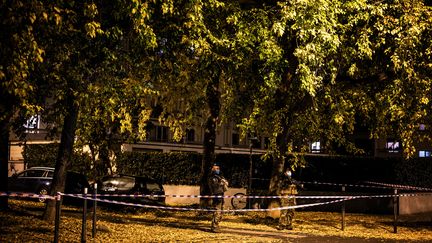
(184, 168)
(346, 169)
(171, 168)
(415, 172)
(46, 155)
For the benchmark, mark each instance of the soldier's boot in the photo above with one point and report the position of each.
(214, 228)
(288, 226)
(280, 227)
(215, 223)
(290, 217)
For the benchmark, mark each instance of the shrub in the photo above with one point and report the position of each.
(46, 154)
(171, 168)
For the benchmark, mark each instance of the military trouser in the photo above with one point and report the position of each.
(287, 215)
(217, 203)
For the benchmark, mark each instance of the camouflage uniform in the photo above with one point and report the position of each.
(287, 188)
(217, 188)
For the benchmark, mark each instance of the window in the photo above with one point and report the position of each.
(143, 150)
(32, 173)
(424, 153)
(32, 124)
(161, 133)
(422, 127)
(190, 135)
(393, 146)
(226, 135)
(255, 142)
(316, 147)
(267, 142)
(235, 139)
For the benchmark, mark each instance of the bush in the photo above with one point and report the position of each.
(171, 168)
(345, 169)
(415, 172)
(184, 167)
(40, 154)
(46, 155)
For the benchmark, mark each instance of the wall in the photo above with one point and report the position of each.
(194, 190)
(415, 204)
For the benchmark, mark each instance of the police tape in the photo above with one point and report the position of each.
(88, 195)
(396, 186)
(26, 195)
(206, 209)
(377, 185)
(208, 196)
(340, 184)
(153, 196)
(93, 197)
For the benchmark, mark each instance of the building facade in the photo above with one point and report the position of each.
(228, 140)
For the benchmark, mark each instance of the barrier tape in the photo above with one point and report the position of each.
(389, 186)
(208, 210)
(27, 195)
(91, 197)
(208, 196)
(396, 186)
(244, 196)
(88, 195)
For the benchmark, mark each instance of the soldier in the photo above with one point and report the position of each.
(287, 187)
(218, 185)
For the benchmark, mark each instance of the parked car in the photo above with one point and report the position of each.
(38, 180)
(126, 184)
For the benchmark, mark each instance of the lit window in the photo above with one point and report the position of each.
(393, 147)
(422, 127)
(316, 147)
(32, 124)
(424, 153)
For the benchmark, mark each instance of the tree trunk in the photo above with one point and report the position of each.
(213, 102)
(4, 160)
(277, 168)
(64, 154)
(283, 101)
(104, 157)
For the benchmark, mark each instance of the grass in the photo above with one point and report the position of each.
(22, 223)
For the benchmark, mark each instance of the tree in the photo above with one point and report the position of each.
(195, 66)
(390, 58)
(19, 53)
(91, 45)
(62, 47)
(297, 45)
(334, 64)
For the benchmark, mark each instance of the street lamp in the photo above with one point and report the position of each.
(251, 141)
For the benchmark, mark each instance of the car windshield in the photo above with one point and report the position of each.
(32, 173)
(120, 183)
(153, 186)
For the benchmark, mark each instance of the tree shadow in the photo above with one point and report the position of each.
(260, 221)
(414, 226)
